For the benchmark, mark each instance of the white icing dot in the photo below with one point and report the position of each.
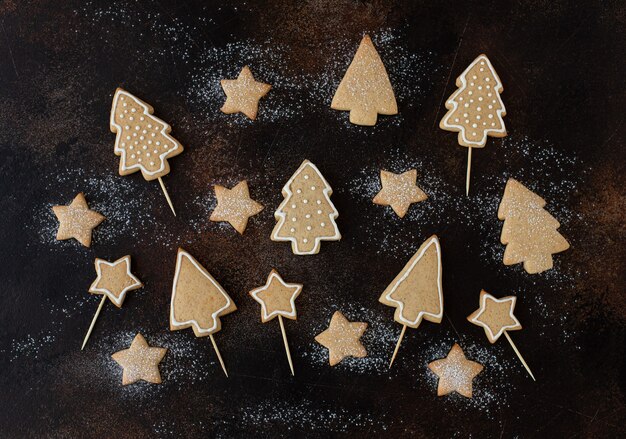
(477, 117)
(312, 188)
(308, 227)
(149, 142)
(129, 147)
(144, 131)
(156, 152)
(305, 240)
(139, 160)
(478, 108)
(127, 137)
(493, 124)
(491, 116)
(158, 143)
(145, 147)
(141, 137)
(486, 79)
(482, 69)
(294, 219)
(464, 114)
(308, 215)
(305, 201)
(474, 77)
(133, 110)
(471, 84)
(460, 99)
(131, 118)
(292, 230)
(480, 87)
(149, 125)
(490, 106)
(124, 104)
(319, 201)
(306, 176)
(141, 118)
(319, 212)
(474, 125)
(134, 134)
(456, 119)
(147, 154)
(466, 105)
(137, 127)
(480, 98)
(151, 163)
(293, 206)
(470, 92)
(299, 191)
(482, 63)
(474, 133)
(323, 224)
(466, 120)
(121, 116)
(132, 156)
(127, 127)
(153, 134)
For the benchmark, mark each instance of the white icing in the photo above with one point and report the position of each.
(215, 315)
(432, 241)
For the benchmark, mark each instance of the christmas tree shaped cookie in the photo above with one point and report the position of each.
(113, 281)
(529, 231)
(365, 89)
(143, 141)
(306, 216)
(416, 292)
(198, 301)
(475, 109)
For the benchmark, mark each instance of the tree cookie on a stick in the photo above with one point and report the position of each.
(143, 141)
(416, 292)
(198, 301)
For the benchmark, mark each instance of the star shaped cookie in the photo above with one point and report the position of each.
(455, 372)
(342, 339)
(76, 220)
(140, 362)
(114, 280)
(399, 191)
(277, 297)
(495, 315)
(235, 206)
(243, 94)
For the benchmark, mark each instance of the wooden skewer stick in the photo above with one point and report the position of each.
(519, 356)
(93, 321)
(282, 329)
(219, 356)
(167, 196)
(469, 167)
(395, 351)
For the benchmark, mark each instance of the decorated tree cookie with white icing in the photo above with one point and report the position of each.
(306, 216)
(475, 109)
(143, 141)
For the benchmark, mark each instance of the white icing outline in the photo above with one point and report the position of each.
(117, 301)
(281, 216)
(498, 88)
(481, 309)
(118, 131)
(430, 241)
(274, 275)
(205, 273)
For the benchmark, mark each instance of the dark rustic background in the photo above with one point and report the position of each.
(562, 65)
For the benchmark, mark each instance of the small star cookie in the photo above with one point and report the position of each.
(495, 315)
(243, 94)
(399, 191)
(342, 339)
(277, 297)
(76, 220)
(114, 280)
(140, 362)
(235, 206)
(455, 372)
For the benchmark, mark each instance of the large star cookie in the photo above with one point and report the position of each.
(495, 315)
(399, 191)
(342, 339)
(235, 206)
(114, 280)
(243, 94)
(76, 220)
(277, 297)
(455, 372)
(140, 362)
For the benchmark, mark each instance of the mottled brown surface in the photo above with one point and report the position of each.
(562, 66)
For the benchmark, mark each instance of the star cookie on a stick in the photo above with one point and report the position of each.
(140, 362)
(399, 191)
(114, 280)
(455, 372)
(496, 317)
(243, 94)
(198, 301)
(365, 89)
(342, 339)
(277, 299)
(476, 109)
(143, 141)
(76, 220)
(235, 206)
(416, 292)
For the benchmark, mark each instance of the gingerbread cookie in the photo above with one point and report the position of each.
(143, 141)
(114, 280)
(140, 362)
(342, 339)
(416, 292)
(399, 191)
(198, 301)
(277, 298)
(243, 94)
(77, 221)
(306, 216)
(476, 109)
(365, 89)
(455, 373)
(235, 206)
(495, 316)
(529, 231)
